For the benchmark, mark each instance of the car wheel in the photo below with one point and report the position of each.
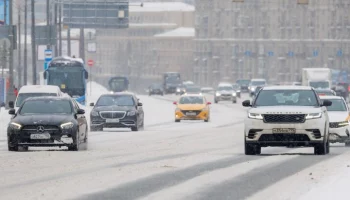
(347, 144)
(177, 120)
(321, 149)
(76, 143)
(251, 149)
(216, 101)
(206, 120)
(10, 146)
(135, 128)
(235, 101)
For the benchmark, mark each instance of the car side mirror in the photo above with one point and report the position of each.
(12, 111)
(92, 104)
(175, 103)
(81, 112)
(11, 104)
(208, 103)
(327, 103)
(246, 103)
(139, 104)
(86, 75)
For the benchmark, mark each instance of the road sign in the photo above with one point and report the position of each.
(315, 53)
(96, 14)
(340, 53)
(90, 63)
(248, 53)
(270, 53)
(48, 55)
(291, 54)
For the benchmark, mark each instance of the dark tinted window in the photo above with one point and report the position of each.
(23, 96)
(46, 106)
(221, 88)
(286, 98)
(121, 100)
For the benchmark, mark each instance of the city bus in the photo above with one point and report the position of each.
(70, 75)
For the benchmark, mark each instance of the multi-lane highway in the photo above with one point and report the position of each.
(166, 160)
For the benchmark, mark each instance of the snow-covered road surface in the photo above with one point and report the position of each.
(168, 160)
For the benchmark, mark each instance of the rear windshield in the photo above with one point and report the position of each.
(23, 96)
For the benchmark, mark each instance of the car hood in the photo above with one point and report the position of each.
(191, 106)
(337, 116)
(226, 91)
(114, 108)
(285, 110)
(42, 119)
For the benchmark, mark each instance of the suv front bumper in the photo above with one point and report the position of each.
(340, 134)
(307, 134)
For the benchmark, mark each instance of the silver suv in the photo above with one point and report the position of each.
(286, 116)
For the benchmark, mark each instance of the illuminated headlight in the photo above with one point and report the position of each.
(313, 116)
(178, 90)
(238, 91)
(131, 113)
(67, 125)
(15, 126)
(342, 124)
(94, 113)
(218, 94)
(234, 94)
(255, 116)
(111, 92)
(252, 89)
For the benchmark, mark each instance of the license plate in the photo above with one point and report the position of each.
(283, 130)
(43, 136)
(191, 114)
(112, 120)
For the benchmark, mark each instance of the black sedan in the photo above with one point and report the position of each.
(47, 121)
(155, 89)
(119, 110)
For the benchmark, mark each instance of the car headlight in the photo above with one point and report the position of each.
(131, 113)
(94, 113)
(218, 94)
(313, 116)
(255, 116)
(344, 123)
(67, 125)
(15, 126)
(252, 89)
(111, 92)
(234, 94)
(178, 90)
(238, 91)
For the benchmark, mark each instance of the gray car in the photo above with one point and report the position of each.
(225, 92)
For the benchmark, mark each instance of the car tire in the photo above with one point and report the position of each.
(216, 101)
(177, 120)
(251, 149)
(235, 101)
(322, 149)
(76, 143)
(12, 148)
(347, 144)
(206, 120)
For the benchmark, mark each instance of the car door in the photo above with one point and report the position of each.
(140, 112)
(81, 120)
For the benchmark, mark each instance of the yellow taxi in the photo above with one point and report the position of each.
(192, 107)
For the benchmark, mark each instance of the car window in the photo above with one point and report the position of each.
(120, 100)
(23, 96)
(221, 88)
(191, 100)
(46, 106)
(337, 105)
(286, 98)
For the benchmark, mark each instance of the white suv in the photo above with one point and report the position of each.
(286, 116)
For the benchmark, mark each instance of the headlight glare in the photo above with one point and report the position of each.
(67, 125)
(255, 116)
(218, 94)
(15, 126)
(131, 113)
(344, 123)
(234, 94)
(313, 116)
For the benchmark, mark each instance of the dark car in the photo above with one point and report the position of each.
(193, 90)
(244, 84)
(47, 121)
(119, 110)
(237, 89)
(155, 89)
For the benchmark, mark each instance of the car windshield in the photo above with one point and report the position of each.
(156, 86)
(120, 100)
(46, 106)
(337, 105)
(23, 96)
(193, 90)
(243, 82)
(191, 100)
(255, 83)
(286, 98)
(319, 84)
(223, 88)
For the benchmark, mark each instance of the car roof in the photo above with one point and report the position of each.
(49, 98)
(258, 79)
(225, 84)
(331, 97)
(287, 87)
(119, 94)
(39, 89)
(192, 95)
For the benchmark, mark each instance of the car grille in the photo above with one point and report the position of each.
(192, 111)
(112, 114)
(294, 118)
(283, 138)
(226, 95)
(35, 128)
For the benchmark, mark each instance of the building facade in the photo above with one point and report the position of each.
(270, 39)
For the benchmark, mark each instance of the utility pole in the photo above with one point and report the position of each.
(82, 44)
(55, 22)
(10, 94)
(48, 23)
(69, 48)
(25, 69)
(33, 43)
(4, 47)
(60, 29)
(19, 67)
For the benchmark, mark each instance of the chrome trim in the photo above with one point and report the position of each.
(112, 112)
(36, 129)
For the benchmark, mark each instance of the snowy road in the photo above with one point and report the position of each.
(168, 160)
